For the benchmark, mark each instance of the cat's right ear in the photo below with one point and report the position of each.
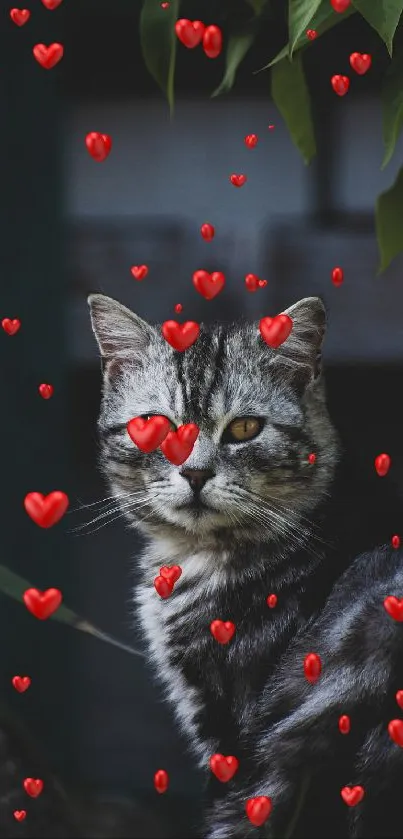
(119, 332)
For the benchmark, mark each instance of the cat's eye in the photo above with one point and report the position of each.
(242, 429)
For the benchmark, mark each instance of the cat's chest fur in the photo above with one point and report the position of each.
(212, 687)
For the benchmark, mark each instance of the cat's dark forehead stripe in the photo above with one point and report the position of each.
(199, 369)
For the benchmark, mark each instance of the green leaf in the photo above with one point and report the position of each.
(382, 15)
(392, 105)
(323, 20)
(237, 47)
(290, 95)
(159, 42)
(300, 14)
(14, 586)
(388, 216)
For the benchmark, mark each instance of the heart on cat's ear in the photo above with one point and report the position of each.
(302, 348)
(119, 332)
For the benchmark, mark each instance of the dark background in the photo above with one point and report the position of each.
(70, 226)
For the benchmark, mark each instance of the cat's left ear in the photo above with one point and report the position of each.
(304, 344)
(119, 332)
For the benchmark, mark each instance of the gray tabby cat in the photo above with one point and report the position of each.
(248, 514)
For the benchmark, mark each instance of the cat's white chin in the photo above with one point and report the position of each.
(200, 520)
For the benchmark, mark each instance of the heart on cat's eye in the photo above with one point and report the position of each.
(222, 631)
(178, 445)
(208, 285)
(148, 434)
(224, 767)
(275, 331)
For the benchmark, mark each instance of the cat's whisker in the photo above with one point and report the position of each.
(124, 508)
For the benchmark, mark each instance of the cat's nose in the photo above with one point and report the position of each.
(197, 477)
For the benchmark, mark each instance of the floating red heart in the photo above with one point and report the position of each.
(382, 464)
(161, 781)
(344, 724)
(48, 57)
(165, 5)
(238, 180)
(360, 62)
(251, 140)
(46, 391)
(399, 698)
(208, 285)
(42, 604)
(395, 541)
(207, 231)
(171, 573)
(222, 631)
(394, 607)
(46, 510)
(139, 271)
(189, 32)
(33, 787)
(20, 16)
(51, 4)
(340, 5)
(180, 336)
(148, 434)
(11, 326)
(163, 587)
(258, 809)
(178, 307)
(212, 41)
(352, 795)
(312, 458)
(223, 767)
(311, 34)
(312, 667)
(20, 815)
(271, 601)
(275, 330)
(98, 145)
(21, 683)
(252, 282)
(178, 445)
(337, 276)
(340, 84)
(395, 729)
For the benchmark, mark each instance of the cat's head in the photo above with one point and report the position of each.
(261, 413)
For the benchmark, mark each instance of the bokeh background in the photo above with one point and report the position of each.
(70, 226)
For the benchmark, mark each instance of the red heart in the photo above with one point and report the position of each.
(208, 285)
(189, 32)
(163, 587)
(48, 57)
(223, 767)
(11, 326)
(46, 510)
(161, 781)
(51, 4)
(340, 5)
(271, 601)
(395, 541)
(312, 667)
(360, 62)
(20, 16)
(180, 336)
(311, 34)
(252, 282)
(258, 810)
(222, 631)
(178, 445)
(98, 145)
(148, 434)
(20, 815)
(21, 683)
(395, 729)
(207, 231)
(139, 271)
(352, 795)
(165, 5)
(337, 276)
(171, 573)
(399, 698)
(344, 724)
(212, 41)
(394, 607)
(42, 604)
(382, 464)
(238, 180)
(340, 84)
(275, 330)
(46, 391)
(33, 787)
(251, 140)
